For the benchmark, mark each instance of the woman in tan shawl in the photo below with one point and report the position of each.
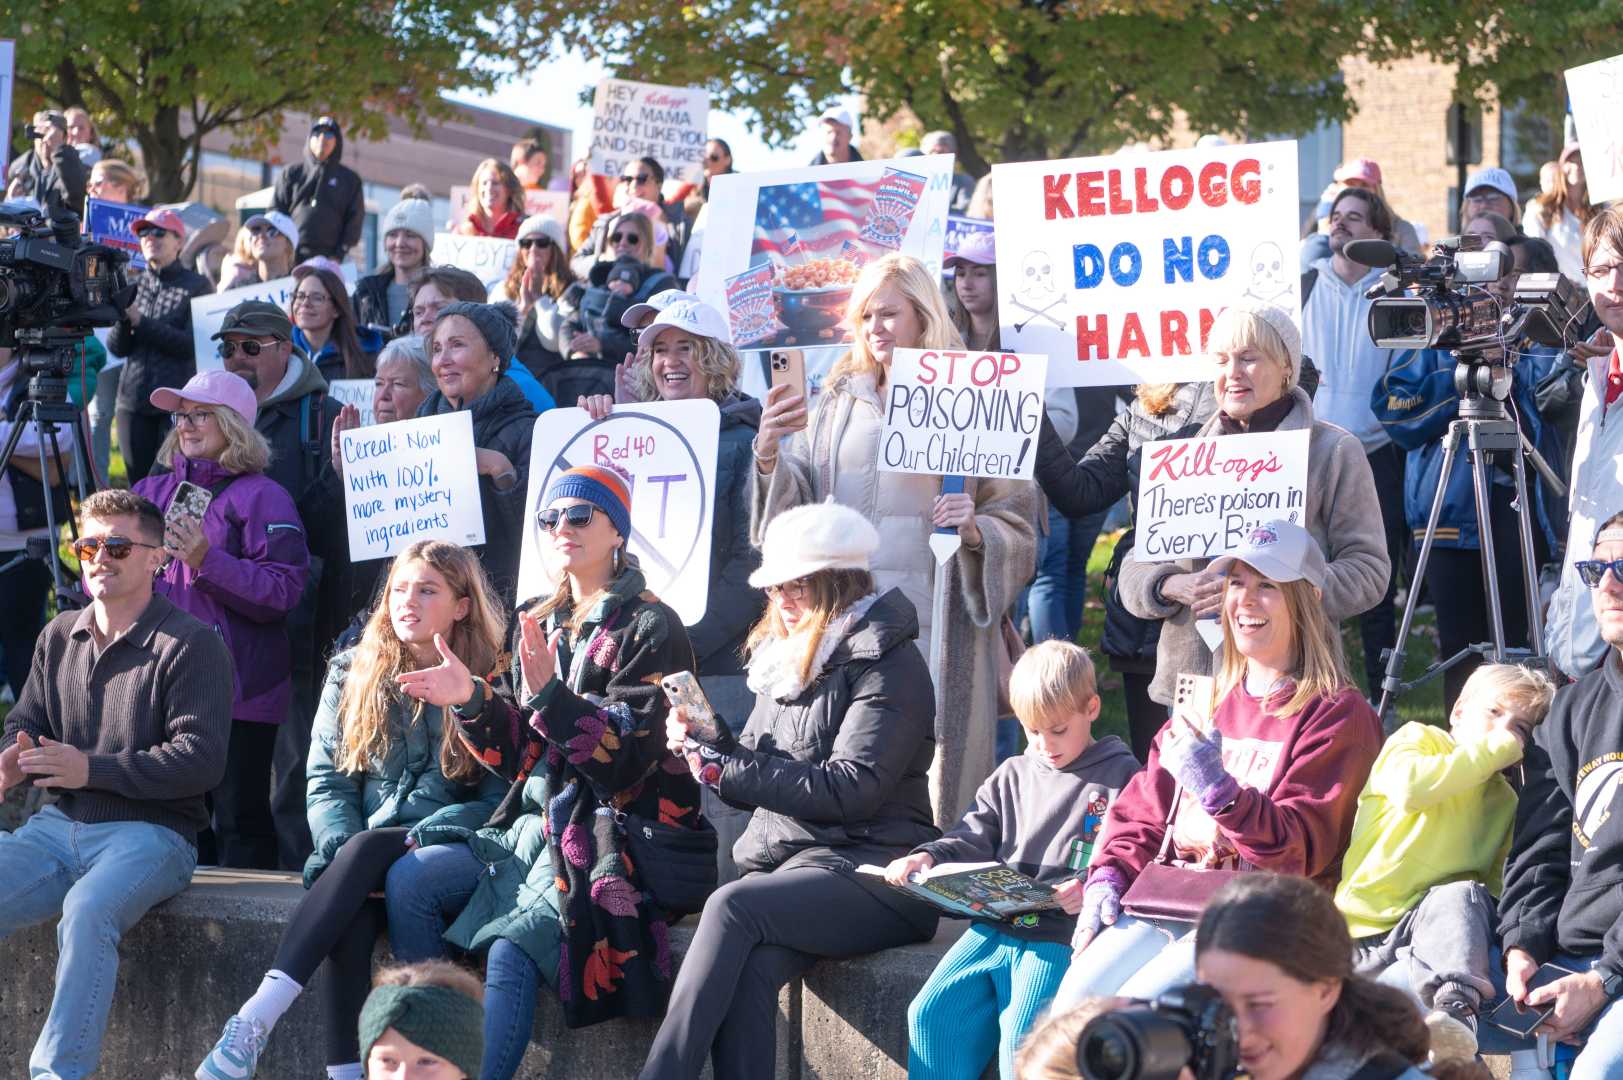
(895, 304)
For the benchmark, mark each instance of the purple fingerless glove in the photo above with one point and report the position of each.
(1101, 902)
(1198, 765)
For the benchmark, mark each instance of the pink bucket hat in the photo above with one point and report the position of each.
(212, 388)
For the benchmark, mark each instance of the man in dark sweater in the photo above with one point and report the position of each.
(1562, 899)
(126, 717)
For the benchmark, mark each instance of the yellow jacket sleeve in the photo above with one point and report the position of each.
(1421, 766)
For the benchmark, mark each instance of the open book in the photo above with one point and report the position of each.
(977, 890)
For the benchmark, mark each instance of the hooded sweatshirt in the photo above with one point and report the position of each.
(286, 419)
(325, 200)
(1564, 879)
(1335, 333)
(1029, 816)
(1299, 778)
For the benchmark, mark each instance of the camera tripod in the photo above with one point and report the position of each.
(47, 406)
(1486, 427)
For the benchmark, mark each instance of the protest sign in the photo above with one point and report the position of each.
(667, 452)
(1596, 93)
(110, 223)
(208, 314)
(411, 480)
(8, 66)
(356, 392)
(485, 257)
(963, 413)
(961, 228)
(1115, 267)
(631, 120)
(781, 266)
(1198, 498)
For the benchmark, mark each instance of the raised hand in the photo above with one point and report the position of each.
(348, 419)
(538, 653)
(447, 684)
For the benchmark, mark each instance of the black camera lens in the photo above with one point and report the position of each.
(1133, 1044)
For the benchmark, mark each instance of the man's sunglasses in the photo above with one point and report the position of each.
(228, 349)
(118, 547)
(155, 232)
(579, 516)
(535, 241)
(1592, 571)
(640, 178)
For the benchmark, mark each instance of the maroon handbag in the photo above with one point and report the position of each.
(1164, 891)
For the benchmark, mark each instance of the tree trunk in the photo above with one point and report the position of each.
(171, 161)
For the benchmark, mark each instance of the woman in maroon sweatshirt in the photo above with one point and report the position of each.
(1271, 785)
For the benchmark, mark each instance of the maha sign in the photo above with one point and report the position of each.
(667, 452)
(1115, 267)
(1198, 498)
(408, 481)
(956, 413)
(631, 120)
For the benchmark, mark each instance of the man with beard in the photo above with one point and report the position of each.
(1335, 333)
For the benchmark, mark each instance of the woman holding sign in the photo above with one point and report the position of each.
(556, 887)
(895, 304)
(470, 349)
(239, 560)
(1261, 773)
(1258, 354)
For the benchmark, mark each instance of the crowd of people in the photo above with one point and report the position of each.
(509, 788)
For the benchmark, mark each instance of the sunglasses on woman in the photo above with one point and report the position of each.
(118, 547)
(155, 232)
(535, 241)
(1593, 571)
(625, 238)
(640, 178)
(579, 516)
(228, 349)
(261, 230)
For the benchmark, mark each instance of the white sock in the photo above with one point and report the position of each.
(276, 994)
(352, 1071)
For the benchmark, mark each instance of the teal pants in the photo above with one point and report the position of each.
(981, 999)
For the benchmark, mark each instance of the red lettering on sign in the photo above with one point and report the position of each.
(1174, 333)
(1246, 181)
(1089, 194)
(1092, 342)
(1054, 204)
(1177, 187)
(1118, 205)
(1212, 192)
(1146, 201)
(1132, 337)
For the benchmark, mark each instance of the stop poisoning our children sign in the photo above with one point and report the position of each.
(1115, 267)
(951, 412)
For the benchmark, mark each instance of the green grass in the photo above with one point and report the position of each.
(1424, 703)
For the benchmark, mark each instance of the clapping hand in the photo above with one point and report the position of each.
(348, 419)
(538, 653)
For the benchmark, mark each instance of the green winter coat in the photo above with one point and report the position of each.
(586, 748)
(402, 789)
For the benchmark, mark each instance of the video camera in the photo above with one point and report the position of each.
(55, 288)
(1186, 1026)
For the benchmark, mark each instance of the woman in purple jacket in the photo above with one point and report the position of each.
(238, 561)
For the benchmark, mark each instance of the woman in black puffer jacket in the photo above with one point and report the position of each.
(834, 762)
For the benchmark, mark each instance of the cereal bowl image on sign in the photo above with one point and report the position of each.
(666, 451)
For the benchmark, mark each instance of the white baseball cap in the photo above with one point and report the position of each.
(654, 304)
(1497, 179)
(278, 221)
(694, 316)
(838, 116)
(1279, 551)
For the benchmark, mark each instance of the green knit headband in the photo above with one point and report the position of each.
(438, 1019)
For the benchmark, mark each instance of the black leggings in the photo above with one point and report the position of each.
(336, 921)
(756, 934)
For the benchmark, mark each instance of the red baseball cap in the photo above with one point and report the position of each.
(1362, 168)
(160, 218)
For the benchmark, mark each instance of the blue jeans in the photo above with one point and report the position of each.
(101, 879)
(511, 980)
(1601, 1055)
(426, 890)
(1060, 587)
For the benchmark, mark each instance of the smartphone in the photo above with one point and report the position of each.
(1514, 1018)
(1192, 696)
(191, 502)
(682, 688)
(788, 368)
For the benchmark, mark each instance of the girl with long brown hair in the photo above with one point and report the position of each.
(381, 762)
(1560, 214)
(498, 201)
(324, 326)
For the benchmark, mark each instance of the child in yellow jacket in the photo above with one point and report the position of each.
(1428, 848)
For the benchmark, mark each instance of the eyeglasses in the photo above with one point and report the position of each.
(1593, 571)
(86, 548)
(228, 348)
(195, 418)
(579, 516)
(790, 590)
(625, 238)
(640, 178)
(311, 299)
(535, 241)
(1599, 273)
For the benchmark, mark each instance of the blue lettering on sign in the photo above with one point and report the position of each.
(1214, 257)
(1088, 264)
(1135, 264)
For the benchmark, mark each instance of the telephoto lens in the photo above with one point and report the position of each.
(1186, 1026)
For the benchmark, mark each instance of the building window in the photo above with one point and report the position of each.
(1528, 137)
(1317, 154)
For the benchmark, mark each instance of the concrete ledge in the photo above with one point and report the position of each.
(193, 959)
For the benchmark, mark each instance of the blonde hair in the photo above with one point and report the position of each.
(1049, 1051)
(440, 973)
(1528, 691)
(1318, 665)
(828, 593)
(133, 180)
(1157, 398)
(1052, 680)
(919, 289)
(246, 450)
(369, 689)
(645, 243)
(1236, 329)
(716, 360)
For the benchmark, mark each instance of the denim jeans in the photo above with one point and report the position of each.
(425, 891)
(511, 981)
(1601, 1055)
(101, 879)
(1060, 587)
(1134, 958)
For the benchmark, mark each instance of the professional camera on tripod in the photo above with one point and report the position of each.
(55, 288)
(1446, 303)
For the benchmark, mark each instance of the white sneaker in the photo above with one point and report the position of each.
(236, 1055)
(1452, 1039)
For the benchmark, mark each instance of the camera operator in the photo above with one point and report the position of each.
(1572, 636)
(52, 173)
(1415, 401)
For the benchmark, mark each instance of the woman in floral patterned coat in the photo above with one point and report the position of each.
(546, 889)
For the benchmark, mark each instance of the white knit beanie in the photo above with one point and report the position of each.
(819, 536)
(1279, 320)
(413, 215)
